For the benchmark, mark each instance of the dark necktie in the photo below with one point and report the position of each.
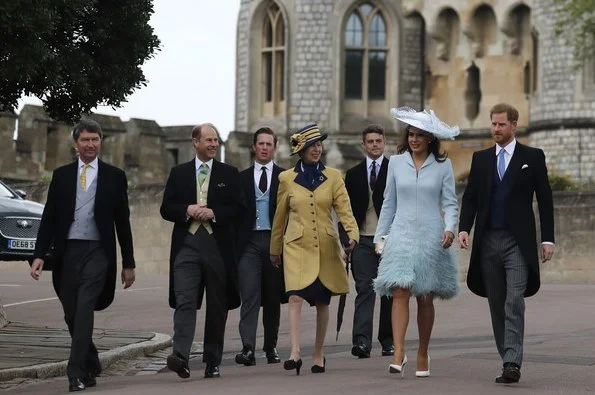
(262, 184)
(373, 176)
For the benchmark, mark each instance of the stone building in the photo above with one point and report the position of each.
(345, 63)
(145, 150)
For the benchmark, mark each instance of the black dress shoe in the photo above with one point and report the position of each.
(76, 385)
(90, 381)
(246, 357)
(178, 364)
(511, 373)
(360, 351)
(272, 356)
(212, 372)
(386, 351)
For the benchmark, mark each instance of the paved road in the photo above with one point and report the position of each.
(560, 344)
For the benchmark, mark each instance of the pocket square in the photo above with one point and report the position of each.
(524, 166)
(220, 185)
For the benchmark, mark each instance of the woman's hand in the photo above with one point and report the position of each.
(447, 239)
(275, 260)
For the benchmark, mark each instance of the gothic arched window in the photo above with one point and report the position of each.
(273, 61)
(366, 50)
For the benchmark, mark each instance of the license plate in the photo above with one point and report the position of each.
(21, 244)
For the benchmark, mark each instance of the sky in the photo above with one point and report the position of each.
(192, 79)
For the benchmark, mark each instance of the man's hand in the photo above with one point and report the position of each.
(206, 214)
(464, 240)
(127, 277)
(349, 248)
(36, 268)
(193, 210)
(447, 239)
(275, 260)
(547, 251)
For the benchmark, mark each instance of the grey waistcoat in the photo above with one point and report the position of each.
(84, 227)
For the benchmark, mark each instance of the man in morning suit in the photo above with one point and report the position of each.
(504, 263)
(365, 184)
(260, 282)
(87, 203)
(202, 199)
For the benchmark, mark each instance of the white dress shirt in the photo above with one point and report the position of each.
(369, 166)
(258, 172)
(509, 149)
(198, 163)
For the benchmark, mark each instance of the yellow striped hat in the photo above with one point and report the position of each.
(305, 137)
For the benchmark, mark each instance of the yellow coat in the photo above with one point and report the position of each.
(310, 243)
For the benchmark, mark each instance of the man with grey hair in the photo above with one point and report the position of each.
(202, 199)
(87, 203)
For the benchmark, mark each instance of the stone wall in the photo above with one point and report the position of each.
(574, 218)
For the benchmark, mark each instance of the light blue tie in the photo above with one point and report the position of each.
(501, 163)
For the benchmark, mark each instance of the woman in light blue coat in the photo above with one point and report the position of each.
(415, 230)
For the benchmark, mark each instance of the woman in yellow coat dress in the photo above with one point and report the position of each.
(306, 235)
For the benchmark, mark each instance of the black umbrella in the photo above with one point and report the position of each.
(342, 298)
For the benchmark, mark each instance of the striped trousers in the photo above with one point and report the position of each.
(505, 275)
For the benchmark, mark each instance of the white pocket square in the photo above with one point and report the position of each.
(524, 166)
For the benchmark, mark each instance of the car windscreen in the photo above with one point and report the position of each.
(5, 192)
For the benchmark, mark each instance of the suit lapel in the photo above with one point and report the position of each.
(213, 180)
(72, 184)
(251, 189)
(489, 166)
(514, 166)
(273, 192)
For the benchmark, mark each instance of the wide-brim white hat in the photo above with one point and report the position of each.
(426, 121)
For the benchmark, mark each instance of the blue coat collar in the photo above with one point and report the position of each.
(301, 179)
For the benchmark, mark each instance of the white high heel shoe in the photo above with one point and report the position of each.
(423, 373)
(393, 368)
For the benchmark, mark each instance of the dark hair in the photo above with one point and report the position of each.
(433, 147)
(512, 114)
(372, 129)
(87, 124)
(264, 130)
(198, 128)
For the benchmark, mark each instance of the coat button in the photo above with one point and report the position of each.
(311, 204)
(313, 220)
(316, 246)
(311, 195)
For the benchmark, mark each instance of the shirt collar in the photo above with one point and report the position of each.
(509, 148)
(369, 161)
(93, 164)
(198, 162)
(269, 166)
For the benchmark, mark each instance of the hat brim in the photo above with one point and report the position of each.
(426, 121)
(310, 142)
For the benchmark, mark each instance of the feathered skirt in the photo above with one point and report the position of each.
(413, 258)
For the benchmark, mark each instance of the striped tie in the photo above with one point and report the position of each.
(84, 177)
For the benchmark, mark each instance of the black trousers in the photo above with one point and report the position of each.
(84, 272)
(260, 284)
(199, 262)
(364, 267)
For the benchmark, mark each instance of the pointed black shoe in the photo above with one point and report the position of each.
(246, 357)
(291, 364)
(90, 381)
(360, 351)
(511, 373)
(212, 372)
(178, 364)
(319, 369)
(272, 355)
(75, 385)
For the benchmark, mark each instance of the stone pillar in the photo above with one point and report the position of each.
(562, 120)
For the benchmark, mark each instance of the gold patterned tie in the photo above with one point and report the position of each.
(84, 177)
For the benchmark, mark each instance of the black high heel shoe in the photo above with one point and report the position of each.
(291, 364)
(319, 369)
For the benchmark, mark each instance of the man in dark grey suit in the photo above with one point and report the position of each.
(87, 203)
(365, 185)
(504, 261)
(202, 199)
(260, 282)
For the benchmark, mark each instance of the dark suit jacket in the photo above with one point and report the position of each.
(223, 197)
(248, 217)
(111, 208)
(526, 182)
(356, 182)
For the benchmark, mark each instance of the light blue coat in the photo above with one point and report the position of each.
(418, 208)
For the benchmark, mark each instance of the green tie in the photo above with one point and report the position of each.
(202, 173)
